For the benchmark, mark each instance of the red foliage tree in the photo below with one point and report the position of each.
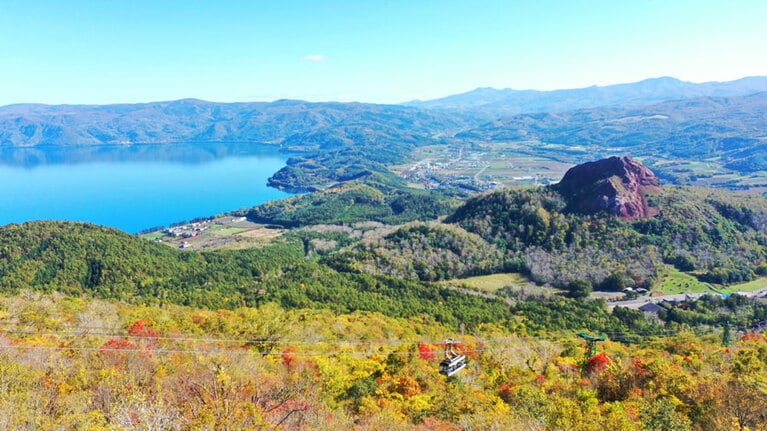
(142, 328)
(289, 357)
(597, 364)
(116, 345)
(506, 392)
(425, 352)
(753, 337)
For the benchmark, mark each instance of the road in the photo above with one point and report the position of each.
(638, 302)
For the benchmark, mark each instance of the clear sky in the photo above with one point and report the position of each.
(385, 51)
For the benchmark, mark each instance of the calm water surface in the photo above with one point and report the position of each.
(137, 187)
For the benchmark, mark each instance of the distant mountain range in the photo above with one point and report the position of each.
(662, 117)
(492, 103)
(304, 125)
(296, 124)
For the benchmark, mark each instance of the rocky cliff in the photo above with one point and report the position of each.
(617, 185)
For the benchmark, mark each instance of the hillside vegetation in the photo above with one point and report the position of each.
(80, 259)
(71, 363)
(422, 251)
(338, 323)
(85, 260)
(371, 196)
(718, 236)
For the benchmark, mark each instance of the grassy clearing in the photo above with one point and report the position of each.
(676, 282)
(153, 236)
(229, 231)
(757, 284)
(492, 283)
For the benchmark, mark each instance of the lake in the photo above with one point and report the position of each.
(135, 187)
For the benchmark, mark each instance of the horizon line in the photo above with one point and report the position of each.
(403, 103)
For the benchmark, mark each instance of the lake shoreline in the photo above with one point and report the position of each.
(136, 187)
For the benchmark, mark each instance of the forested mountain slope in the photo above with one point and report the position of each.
(719, 236)
(74, 363)
(608, 224)
(83, 259)
(293, 123)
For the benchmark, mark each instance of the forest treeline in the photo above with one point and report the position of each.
(84, 259)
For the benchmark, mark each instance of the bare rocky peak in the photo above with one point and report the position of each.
(617, 185)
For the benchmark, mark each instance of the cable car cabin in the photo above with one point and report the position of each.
(453, 362)
(450, 366)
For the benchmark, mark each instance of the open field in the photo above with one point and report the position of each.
(676, 282)
(491, 283)
(710, 173)
(482, 166)
(759, 283)
(229, 231)
(153, 236)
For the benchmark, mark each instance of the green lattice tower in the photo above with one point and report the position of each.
(591, 344)
(726, 334)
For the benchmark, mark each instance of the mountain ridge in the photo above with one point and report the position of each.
(348, 139)
(502, 102)
(192, 120)
(196, 120)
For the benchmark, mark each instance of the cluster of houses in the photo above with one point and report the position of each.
(431, 176)
(190, 230)
(651, 309)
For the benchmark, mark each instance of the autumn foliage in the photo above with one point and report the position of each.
(425, 352)
(142, 328)
(597, 364)
(359, 371)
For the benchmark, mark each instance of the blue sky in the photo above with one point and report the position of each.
(103, 51)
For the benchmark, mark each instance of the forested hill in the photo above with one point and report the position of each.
(608, 225)
(717, 236)
(84, 259)
(295, 124)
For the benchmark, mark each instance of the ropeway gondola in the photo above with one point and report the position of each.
(453, 361)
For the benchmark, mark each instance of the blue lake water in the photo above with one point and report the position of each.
(135, 187)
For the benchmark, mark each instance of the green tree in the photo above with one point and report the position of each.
(579, 289)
